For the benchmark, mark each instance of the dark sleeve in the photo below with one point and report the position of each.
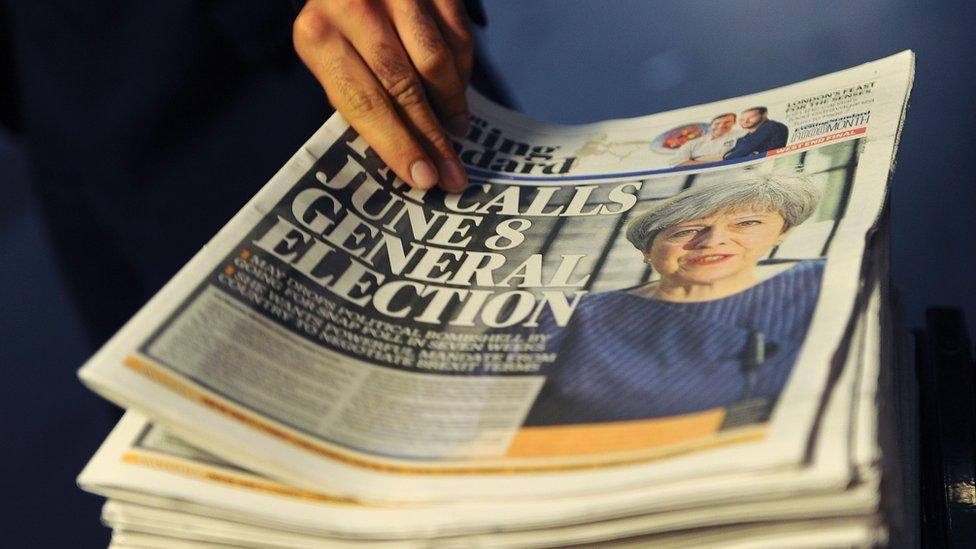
(9, 100)
(777, 136)
(476, 12)
(743, 147)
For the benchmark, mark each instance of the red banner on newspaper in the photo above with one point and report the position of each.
(817, 141)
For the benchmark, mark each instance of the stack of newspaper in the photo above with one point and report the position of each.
(670, 330)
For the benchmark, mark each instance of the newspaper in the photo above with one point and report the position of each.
(607, 306)
(162, 486)
(799, 534)
(145, 470)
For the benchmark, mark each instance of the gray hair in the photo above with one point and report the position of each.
(794, 197)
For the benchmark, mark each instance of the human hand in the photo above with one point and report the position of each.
(395, 69)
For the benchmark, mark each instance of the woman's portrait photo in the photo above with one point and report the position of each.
(710, 328)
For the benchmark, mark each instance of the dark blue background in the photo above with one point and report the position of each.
(562, 61)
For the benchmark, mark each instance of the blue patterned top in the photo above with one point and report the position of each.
(623, 356)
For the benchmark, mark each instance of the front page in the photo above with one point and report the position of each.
(631, 301)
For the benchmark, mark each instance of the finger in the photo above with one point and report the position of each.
(452, 18)
(434, 59)
(379, 46)
(360, 98)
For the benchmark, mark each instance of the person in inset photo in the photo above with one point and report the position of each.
(763, 134)
(711, 331)
(710, 147)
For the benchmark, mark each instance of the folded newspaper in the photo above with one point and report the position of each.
(672, 329)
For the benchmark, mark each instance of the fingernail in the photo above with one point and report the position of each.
(458, 125)
(423, 174)
(453, 177)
